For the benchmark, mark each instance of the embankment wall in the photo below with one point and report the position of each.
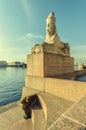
(69, 89)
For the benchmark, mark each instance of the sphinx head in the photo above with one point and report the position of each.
(50, 24)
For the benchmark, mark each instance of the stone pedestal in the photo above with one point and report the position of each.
(44, 65)
(48, 59)
(48, 64)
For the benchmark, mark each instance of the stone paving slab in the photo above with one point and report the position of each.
(22, 125)
(78, 111)
(65, 124)
(4, 123)
(13, 115)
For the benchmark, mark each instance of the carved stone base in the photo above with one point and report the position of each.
(47, 64)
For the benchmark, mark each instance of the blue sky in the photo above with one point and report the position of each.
(22, 25)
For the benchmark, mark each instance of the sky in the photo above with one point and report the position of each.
(22, 25)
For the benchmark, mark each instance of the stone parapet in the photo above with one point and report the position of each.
(72, 90)
(35, 82)
(72, 76)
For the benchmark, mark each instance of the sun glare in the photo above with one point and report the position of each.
(27, 8)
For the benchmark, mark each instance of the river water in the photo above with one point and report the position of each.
(11, 83)
(12, 80)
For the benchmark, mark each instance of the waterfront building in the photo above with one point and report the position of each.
(3, 63)
(80, 66)
(16, 64)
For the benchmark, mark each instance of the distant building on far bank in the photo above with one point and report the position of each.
(80, 66)
(16, 64)
(3, 64)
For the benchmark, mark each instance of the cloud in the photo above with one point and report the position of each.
(30, 37)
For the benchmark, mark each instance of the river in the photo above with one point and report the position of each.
(12, 81)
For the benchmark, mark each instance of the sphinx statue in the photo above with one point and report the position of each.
(52, 42)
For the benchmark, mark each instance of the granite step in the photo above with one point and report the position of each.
(11, 118)
(38, 119)
(53, 106)
(8, 107)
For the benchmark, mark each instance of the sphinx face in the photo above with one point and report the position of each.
(50, 29)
